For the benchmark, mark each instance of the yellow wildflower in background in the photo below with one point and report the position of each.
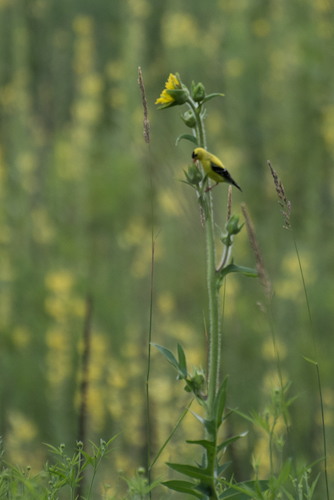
(179, 29)
(21, 337)
(59, 281)
(261, 27)
(269, 352)
(83, 25)
(22, 432)
(166, 303)
(42, 228)
(58, 359)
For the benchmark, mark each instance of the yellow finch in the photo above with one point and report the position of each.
(213, 167)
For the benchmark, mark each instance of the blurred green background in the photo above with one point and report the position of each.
(75, 219)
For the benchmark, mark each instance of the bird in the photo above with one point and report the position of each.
(213, 168)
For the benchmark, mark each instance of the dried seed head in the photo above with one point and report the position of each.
(282, 192)
(283, 202)
(146, 122)
(262, 275)
(229, 203)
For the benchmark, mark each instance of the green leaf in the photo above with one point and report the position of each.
(291, 400)
(183, 487)
(208, 445)
(209, 425)
(227, 415)
(220, 401)
(226, 443)
(188, 137)
(191, 471)
(171, 434)
(222, 467)
(285, 472)
(311, 361)
(88, 458)
(206, 490)
(314, 485)
(244, 415)
(199, 418)
(168, 355)
(288, 495)
(244, 491)
(182, 361)
(211, 96)
(232, 268)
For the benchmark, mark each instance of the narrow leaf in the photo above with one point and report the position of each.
(220, 403)
(168, 355)
(171, 434)
(209, 425)
(232, 268)
(211, 96)
(206, 490)
(227, 415)
(222, 467)
(244, 491)
(188, 137)
(182, 361)
(310, 361)
(226, 443)
(208, 445)
(199, 418)
(190, 470)
(183, 487)
(245, 416)
(284, 474)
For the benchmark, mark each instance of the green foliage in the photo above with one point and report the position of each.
(194, 383)
(139, 487)
(65, 473)
(74, 178)
(206, 475)
(232, 268)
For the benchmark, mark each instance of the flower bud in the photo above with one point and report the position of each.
(179, 96)
(194, 175)
(189, 118)
(197, 382)
(232, 225)
(198, 92)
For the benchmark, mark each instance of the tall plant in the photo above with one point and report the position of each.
(210, 394)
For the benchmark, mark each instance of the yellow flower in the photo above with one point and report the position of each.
(173, 93)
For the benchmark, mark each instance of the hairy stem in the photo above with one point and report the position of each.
(213, 294)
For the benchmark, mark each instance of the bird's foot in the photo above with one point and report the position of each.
(211, 187)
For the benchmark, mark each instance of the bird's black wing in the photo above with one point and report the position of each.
(219, 170)
(224, 173)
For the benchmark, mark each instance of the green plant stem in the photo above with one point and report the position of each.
(214, 323)
(225, 257)
(149, 350)
(213, 294)
(316, 363)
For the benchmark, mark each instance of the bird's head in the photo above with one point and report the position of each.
(195, 155)
(198, 154)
